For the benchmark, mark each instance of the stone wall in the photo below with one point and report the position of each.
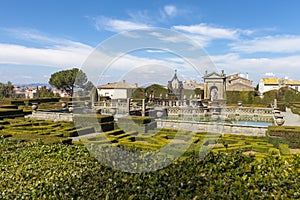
(221, 128)
(51, 116)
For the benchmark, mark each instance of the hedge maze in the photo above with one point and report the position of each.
(200, 142)
(40, 130)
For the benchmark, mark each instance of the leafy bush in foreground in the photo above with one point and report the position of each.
(37, 171)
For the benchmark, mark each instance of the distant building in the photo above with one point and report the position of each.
(192, 84)
(25, 92)
(117, 90)
(267, 84)
(19, 92)
(175, 86)
(235, 82)
(30, 93)
(61, 93)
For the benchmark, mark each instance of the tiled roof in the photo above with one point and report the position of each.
(117, 85)
(292, 82)
(271, 81)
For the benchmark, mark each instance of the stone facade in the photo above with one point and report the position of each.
(117, 90)
(235, 82)
(215, 86)
(175, 87)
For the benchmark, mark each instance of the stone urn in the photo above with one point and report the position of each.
(159, 113)
(113, 111)
(34, 107)
(86, 103)
(240, 104)
(279, 120)
(215, 116)
(63, 105)
(71, 109)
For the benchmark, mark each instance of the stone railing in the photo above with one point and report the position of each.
(225, 111)
(245, 110)
(213, 127)
(115, 107)
(172, 111)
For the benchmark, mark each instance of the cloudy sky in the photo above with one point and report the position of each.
(261, 38)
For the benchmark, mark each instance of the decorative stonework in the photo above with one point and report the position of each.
(215, 86)
(175, 87)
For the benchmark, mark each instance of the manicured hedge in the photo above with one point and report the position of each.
(101, 122)
(284, 131)
(134, 119)
(8, 107)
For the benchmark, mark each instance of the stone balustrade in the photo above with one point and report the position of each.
(221, 128)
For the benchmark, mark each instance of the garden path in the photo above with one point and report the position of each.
(290, 118)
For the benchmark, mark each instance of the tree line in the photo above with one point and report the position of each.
(66, 80)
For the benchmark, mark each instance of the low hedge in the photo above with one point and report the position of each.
(105, 122)
(135, 119)
(284, 131)
(293, 143)
(5, 135)
(73, 133)
(8, 107)
(233, 149)
(141, 128)
(85, 130)
(4, 122)
(260, 149)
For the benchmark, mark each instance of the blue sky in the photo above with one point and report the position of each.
(258, 37)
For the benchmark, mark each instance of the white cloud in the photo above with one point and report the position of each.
(50, 51)
(116, 25)
(170, 10)
(269, 74)
(57, 56)
(272, 44)
(208, 31)
(258, 67)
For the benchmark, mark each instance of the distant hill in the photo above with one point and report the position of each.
(34, 85)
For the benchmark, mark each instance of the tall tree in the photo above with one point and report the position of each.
(6, 90)
(68, 80)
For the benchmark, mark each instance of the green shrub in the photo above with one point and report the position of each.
(284, 149)
(274, 151)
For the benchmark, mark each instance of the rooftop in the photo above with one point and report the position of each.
(271, 81)
(118, 85)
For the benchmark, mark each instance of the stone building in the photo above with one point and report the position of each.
(235, 82)
(175, 87)
(267, 84)
(192, 85)
(215, 86)
(117, 90)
